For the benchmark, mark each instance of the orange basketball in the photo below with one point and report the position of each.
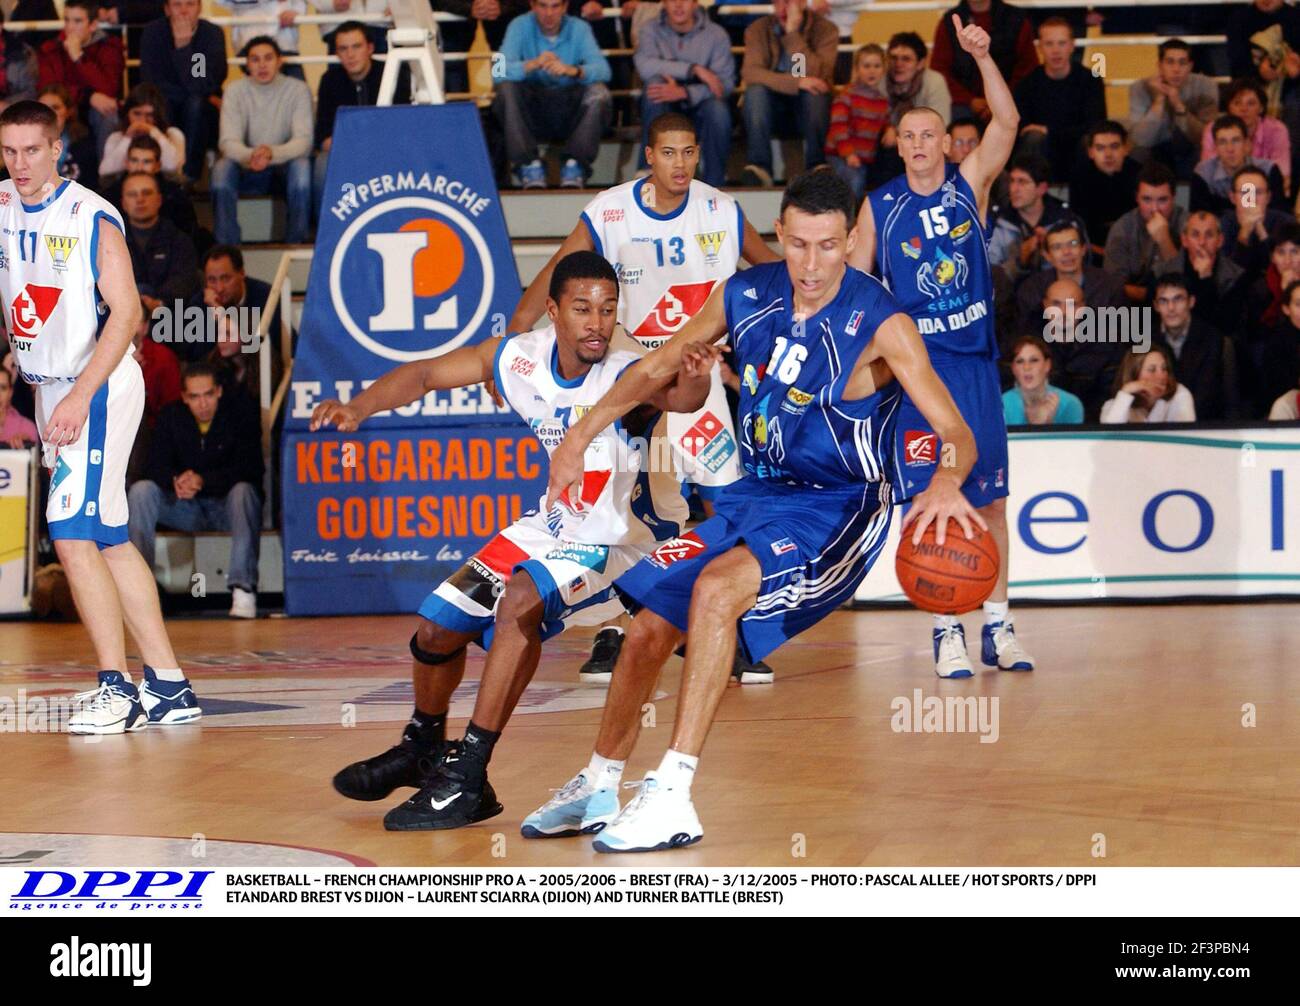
(949, 579)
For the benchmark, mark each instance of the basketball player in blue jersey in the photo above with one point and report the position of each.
(822, 350)
(924, 230)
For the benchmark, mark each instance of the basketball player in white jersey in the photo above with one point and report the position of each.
(71, 307)
(671, 239)
(552, 567)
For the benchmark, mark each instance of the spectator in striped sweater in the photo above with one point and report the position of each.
(859, 120)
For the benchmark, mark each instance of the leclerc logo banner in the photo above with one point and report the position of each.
(412, 259)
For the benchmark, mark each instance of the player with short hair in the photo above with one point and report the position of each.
(671, 240)
(926, 229)
(71, 308)
(553, 567)
(822, 350)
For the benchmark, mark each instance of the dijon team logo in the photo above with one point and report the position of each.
(60, 248)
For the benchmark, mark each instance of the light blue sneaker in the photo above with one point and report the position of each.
(572, 176)
(576, 809)
(168, 703)
(533, 175)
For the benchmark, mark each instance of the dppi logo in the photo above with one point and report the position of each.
(419, 278)
(140, 888)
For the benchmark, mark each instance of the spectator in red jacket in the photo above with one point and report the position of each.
(89, 63)
(859, 120)
(1012, 48)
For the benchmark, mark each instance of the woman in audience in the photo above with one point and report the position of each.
(1287, 407)
(1147, 392)
(78, 160)
(1267, 137)
(1033, 401)
(16, 430)
(145, 114)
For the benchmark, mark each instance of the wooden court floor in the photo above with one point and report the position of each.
(1132, 737)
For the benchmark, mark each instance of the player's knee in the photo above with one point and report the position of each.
(650, 632)
(717, 592)
(74, 551)
(433, 644)
(521, 601)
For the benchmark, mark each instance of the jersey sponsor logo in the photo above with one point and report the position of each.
(593, 557)
(4, 198)
(709, 442)
(783, 547)
(428, 265)
(712, 205)
(549, 431)
(796, 402)
(751, 378)
(676, 549)
(612, 216)
(710, 244)
(945, 270)
(593, 484)
(628, 275)
(676, 307)
(60, 248)
(522, 366)
(960, 232)
(30, 311)
(912, 248)
(855, 321)
(580, 410)
(4, 260)
(920, 447)
(61, 472)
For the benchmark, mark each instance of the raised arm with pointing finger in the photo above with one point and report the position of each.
(988, 159)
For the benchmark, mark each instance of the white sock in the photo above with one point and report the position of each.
(677, 770)
(608, 628)
(169, 674)
(946, 621)
(605, 773)
(997, 611)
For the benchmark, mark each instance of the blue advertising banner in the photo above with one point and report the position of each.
(412, 261)
(379, 518)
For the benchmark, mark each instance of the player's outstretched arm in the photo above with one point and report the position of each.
(754, 249)
(988, 159)
(407, 383)
(899, 344)
(532, 305)
(639, 384)
(863, 255)
(690, 390)
(117, 286)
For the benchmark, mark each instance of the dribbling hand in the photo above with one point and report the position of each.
(941, 502)
(342, 417)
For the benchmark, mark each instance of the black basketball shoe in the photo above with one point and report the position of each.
(746, 673)
(604, 655)
(407, 764)
(455, 795)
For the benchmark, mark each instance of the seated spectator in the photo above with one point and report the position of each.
(1245, 20)
(458, 36)
(1033, 401)
(266, 131)
(1169, 111)
(964, 136)
(685, 64)
(78, 159)
(1058, 101)
(1204, 361)
(859, 119)
(1267, 140)
(1275, 354)
(1286, 408)
(144, 155)
(1018, 229)
(912, 84)
(1146, 391)
(1247, 226)
(162, 386)
(89, 63)
(1103, 186)
(162, 258)
(204, 474)
(170, 49)
(16, 430)
(554, 88)
(1213, 279)
(1012, 48)
(1212, 180)
(19, 71)
(145, 115)
(1145, 237)
(354, 81)
(377, 33)
(279, 25)
(782, 93)
(23, 399)
(1065, 252)
(1085, 367)
(226, 286)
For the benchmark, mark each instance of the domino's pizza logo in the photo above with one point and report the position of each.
(709, 442)
(920, 448)
(411, 278)
(30, 311)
